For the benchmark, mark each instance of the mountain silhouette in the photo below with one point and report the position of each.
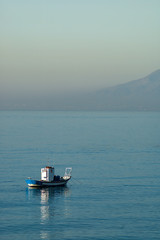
(141, 94)
(138, 95)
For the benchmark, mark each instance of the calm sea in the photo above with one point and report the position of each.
(115, 190)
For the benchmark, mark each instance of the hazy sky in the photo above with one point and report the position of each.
(59, 45)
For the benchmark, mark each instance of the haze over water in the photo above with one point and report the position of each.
(59, 47)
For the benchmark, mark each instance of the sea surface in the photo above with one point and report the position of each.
(114, 193)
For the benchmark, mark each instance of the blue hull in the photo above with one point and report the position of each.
(36, 183)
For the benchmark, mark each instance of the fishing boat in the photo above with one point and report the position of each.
(49, 179)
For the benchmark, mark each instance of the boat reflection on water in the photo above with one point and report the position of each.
(53, 200)
(52, 204)
(47, 194)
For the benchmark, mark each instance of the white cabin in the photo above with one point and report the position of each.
(47, 174)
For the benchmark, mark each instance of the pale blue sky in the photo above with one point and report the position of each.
(63, 45)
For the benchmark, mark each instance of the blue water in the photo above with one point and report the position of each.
(115, 190)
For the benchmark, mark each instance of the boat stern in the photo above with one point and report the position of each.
(67, 174)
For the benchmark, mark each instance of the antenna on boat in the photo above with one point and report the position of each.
(48, 161)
